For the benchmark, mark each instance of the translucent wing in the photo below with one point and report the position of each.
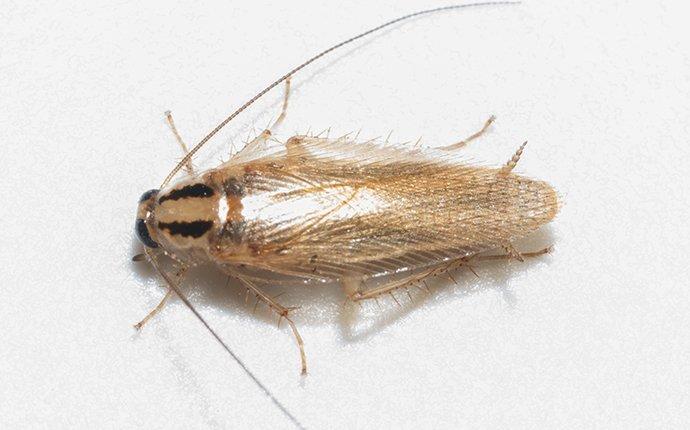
(331, 208)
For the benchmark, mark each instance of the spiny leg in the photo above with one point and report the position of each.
(510, 165)
(464, 142)
(283, 111)
(419, 278)
(155, 310)
(261, 139)
(413, 280)
(513, 253)
(168, 116)
(508, 256)
(179, 275)
(282, 311)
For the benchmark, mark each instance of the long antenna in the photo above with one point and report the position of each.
(203, 141)
(213, 132)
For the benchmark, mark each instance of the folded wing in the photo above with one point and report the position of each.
(330, 208)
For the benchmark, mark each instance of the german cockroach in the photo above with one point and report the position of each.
(339, 210)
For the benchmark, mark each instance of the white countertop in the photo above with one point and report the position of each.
(594, 335)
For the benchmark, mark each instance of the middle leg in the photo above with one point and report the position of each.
(259, 141)
(282, 311)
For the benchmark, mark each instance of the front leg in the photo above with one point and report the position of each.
(188, 167)
(179, 277)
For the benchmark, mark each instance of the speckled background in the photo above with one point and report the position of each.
(594, 335)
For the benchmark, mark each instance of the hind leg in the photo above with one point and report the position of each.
(512, 254)
(464, 142)
(356, 294)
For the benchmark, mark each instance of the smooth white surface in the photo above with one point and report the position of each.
(595, 335)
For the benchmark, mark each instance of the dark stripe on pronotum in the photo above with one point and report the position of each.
(194, 229)
(196, 190)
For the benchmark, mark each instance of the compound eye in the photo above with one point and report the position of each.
(147, 195)
(143, 233)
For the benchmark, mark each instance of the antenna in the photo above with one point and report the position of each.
(173, 286)
(203, 141)
(225, 122)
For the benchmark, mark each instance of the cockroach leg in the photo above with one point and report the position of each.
(259, 141)
(464, 142)
(293, 145)
(413, 280)
(179, 275)
(510, 165)
(283, 313)
(283, 111)
(352, 285)
(509, 256)
(188, 166)
(155, 310)
(513, 253)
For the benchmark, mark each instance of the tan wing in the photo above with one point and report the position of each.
(327, 208)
